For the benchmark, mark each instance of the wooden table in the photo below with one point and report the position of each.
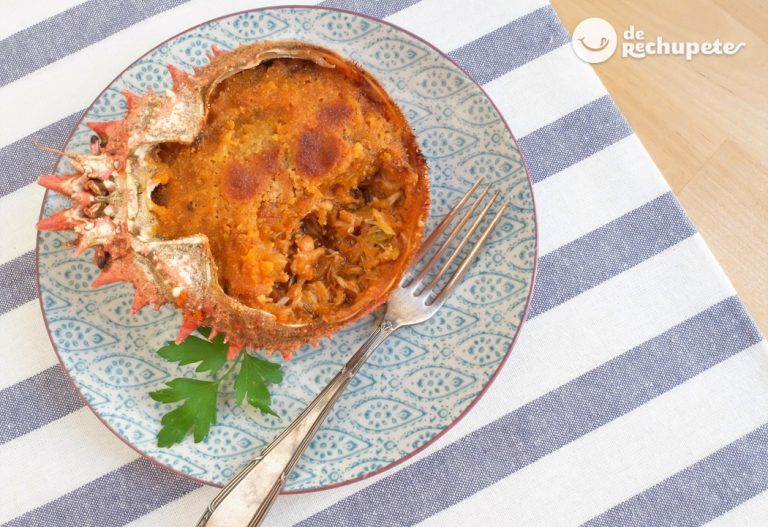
(704, 122)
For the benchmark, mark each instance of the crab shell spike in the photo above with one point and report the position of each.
(62, 184)
(178, 76)
(212, 335)
(139, 302)
(215, 52)
(75, 161)
(188, 325)
(131, 100)
(105, 128)
(121, 270)
(82, 245)
(60, 221)
(234, 349)
(151, 264)
(110, 274)
(145, 295)
(83, 198)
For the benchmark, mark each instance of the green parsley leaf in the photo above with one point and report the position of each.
(197, 413)
(211, 355)
(251, 382)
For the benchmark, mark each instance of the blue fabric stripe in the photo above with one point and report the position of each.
(522, 40)
(573, 138)
(18, 282)
(22, 162)
(529, 433)
(609, 250)
(28, 405)
(705, 490)
(70, 31)
(116, 498)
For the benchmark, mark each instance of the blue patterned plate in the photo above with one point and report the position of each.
(411, 391)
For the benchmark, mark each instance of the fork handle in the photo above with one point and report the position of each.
(246, 499)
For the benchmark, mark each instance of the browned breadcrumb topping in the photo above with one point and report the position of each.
(303, 186)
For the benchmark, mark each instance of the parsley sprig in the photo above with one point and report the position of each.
(198, 410)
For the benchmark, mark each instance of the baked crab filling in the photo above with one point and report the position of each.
(304, 186)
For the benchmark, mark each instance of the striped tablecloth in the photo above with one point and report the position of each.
(636, 395)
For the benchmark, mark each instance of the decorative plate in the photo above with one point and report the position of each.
(422, 380)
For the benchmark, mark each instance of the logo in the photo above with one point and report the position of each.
(594, 40)
(636, 47)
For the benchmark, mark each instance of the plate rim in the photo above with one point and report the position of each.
(490, 380)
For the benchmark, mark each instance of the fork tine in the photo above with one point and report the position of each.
(467, 262)
(452, 236)
(446, 221)
(462, 243)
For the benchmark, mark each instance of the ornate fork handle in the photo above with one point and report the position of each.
(249, 496)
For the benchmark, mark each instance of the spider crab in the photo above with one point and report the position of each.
(112, 209)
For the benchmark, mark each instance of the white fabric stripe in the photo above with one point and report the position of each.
(68, 453)
(751, 513)
(544, 90)
(183, 511)
(25, 344)
(68, 91)
(16, 15)
(449, 24)
(665, 290)
(19, 211)
(595, 191)
(630, 454)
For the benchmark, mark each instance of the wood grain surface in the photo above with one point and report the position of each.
(704, 121)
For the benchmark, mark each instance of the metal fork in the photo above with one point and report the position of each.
(246, 500)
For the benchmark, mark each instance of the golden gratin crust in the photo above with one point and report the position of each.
(308, 184)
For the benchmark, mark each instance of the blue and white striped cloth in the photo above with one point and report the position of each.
(636, 395)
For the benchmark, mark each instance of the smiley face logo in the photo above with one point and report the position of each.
(594, 40)
(603, 44)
